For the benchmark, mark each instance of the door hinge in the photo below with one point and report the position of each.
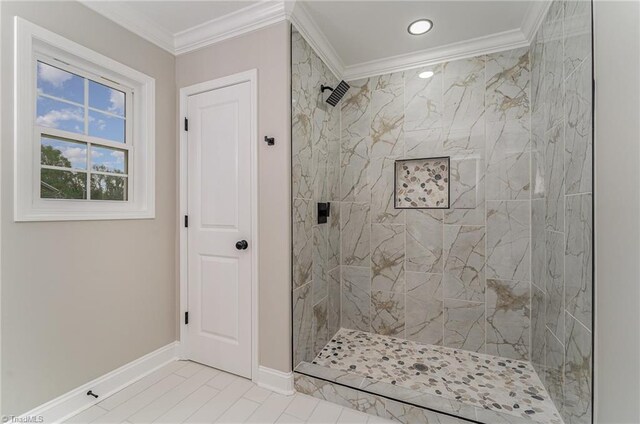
(186, 318)
(186, 124)
(186, 221)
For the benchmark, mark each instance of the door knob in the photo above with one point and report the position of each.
(242, 245)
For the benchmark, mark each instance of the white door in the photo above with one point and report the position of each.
(219, 208)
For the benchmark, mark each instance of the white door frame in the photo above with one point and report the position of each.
(250, 76)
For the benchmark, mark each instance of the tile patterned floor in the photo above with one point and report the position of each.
(186, 392)
(486, 382)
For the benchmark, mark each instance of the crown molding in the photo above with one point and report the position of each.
(132, 20)
(268, 12)
(242, 21)
(228, 26)
(460, 50)
(534, 17)
(304, 23)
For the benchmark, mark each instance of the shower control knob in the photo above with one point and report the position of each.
(242, 245)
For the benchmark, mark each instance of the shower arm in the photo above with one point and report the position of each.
(323, 88)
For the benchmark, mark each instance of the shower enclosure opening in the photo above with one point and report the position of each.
(476, 307)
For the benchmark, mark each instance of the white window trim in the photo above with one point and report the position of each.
(31, 41)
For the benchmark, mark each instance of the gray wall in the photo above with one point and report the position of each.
(617, 207)
(80, 299)
(562, 224)
(267, 50)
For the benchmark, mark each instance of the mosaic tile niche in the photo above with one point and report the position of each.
(422, 183)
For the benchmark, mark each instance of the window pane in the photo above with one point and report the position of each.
(106, 98)
(58, 83)
(56, 184)
(60, 115)
(108, 187)
(106, 126)
(104, 159)
(67, 154)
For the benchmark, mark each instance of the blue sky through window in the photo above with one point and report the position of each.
(105, 98)
(60, 115)
(106, 126)
(65, 116)
(58, 83)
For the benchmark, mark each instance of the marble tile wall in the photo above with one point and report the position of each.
(458, 277)
(315, 178)
(561, 213)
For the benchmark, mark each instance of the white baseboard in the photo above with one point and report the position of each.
(276, 381)
(75, 401)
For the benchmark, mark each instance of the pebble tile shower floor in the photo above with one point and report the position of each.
(490, 382)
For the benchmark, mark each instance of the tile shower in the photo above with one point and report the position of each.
(480, 311)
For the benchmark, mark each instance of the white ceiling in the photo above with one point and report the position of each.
(356, 38)
(364, 31)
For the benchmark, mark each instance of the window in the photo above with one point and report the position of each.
(84, 132)
(82, 126)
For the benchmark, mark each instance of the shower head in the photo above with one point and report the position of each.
(336, 93)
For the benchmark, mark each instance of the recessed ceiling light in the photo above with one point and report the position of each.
(425, 74)
(419, 27)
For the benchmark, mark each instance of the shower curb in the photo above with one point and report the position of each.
(372, 404)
